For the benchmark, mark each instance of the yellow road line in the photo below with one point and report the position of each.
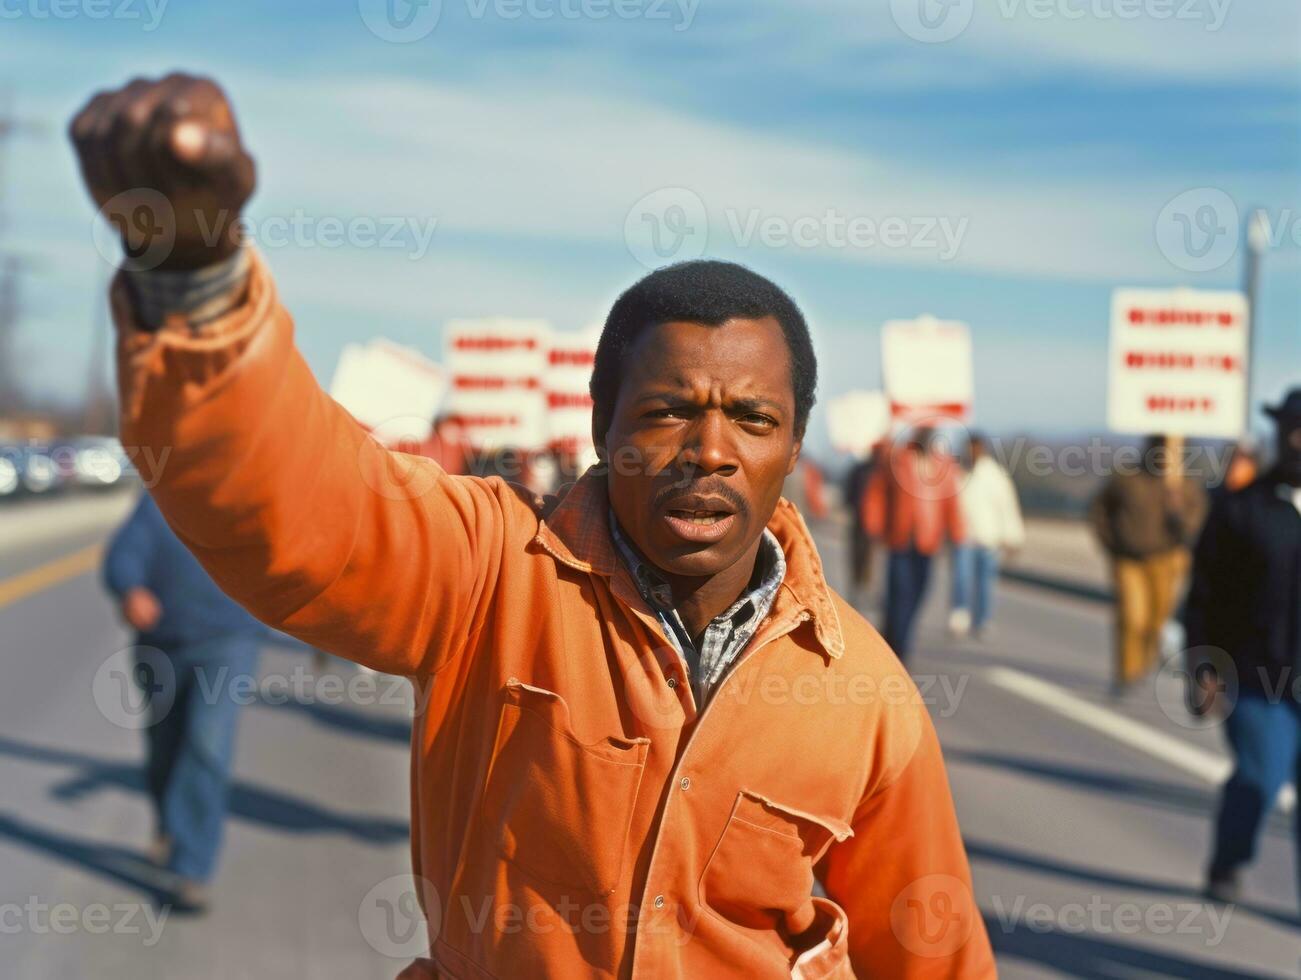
(49, 574)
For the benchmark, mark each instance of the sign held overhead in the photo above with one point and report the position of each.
(926, 364)
(1178, 362)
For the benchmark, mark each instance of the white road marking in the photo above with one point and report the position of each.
(1209, 767)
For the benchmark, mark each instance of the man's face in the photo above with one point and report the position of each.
(701, 438)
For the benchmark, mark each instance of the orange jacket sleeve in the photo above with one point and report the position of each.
(904, 881)
(292, 508)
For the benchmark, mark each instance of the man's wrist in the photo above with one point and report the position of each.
(198, 295)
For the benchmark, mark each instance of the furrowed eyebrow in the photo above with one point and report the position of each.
(756, 405)
(679, 396)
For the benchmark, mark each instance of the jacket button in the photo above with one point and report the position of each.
(659, 901)
(686, 782)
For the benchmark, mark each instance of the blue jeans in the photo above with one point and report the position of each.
(975, 573)
(191, 743)
(907, 575)
(1266, 738)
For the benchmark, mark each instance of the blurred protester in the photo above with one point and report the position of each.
(1243, 622)
(805, 488)
(991, 516)
(448, 446)
(1244, 465)
(1145, 521)
(176, 609)
(860, 542)
(912, 504)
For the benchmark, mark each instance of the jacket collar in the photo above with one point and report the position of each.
(575, 531)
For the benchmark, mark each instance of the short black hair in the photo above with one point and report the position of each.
(702, 291)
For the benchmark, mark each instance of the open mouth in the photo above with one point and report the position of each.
(702, 517)
(699, 524)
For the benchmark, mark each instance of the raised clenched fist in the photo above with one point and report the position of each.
(164, 163)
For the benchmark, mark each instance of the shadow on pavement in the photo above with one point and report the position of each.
(348, 721)
(1153, 791)
(256, 804)
(1095, 958)
(995, 853)
(117, 864)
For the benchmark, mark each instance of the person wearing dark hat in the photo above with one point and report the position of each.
(1243, 622)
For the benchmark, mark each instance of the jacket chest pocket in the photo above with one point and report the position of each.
(760, 874)
(557, 808)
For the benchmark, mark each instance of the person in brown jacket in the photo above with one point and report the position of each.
(650, 742)
(1146, 521)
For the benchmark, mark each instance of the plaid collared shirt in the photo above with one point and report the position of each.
(729, 632)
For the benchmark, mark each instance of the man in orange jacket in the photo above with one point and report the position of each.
(646, 724)
(912, 504)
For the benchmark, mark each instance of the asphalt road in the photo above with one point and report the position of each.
(1087, 820)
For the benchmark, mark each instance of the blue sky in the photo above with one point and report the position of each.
(1051, 133)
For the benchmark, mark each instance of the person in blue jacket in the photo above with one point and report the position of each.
(179, 614)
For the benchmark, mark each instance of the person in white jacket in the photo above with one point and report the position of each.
(992, 516)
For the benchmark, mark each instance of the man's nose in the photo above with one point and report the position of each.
(709, 446)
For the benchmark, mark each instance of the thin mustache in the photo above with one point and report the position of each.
(705, 490)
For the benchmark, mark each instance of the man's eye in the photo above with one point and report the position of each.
(667, 413)
(754, 418)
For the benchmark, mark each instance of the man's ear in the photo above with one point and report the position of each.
(599, 430)
(795, 455)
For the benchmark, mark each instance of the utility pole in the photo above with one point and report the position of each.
(11, 265)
